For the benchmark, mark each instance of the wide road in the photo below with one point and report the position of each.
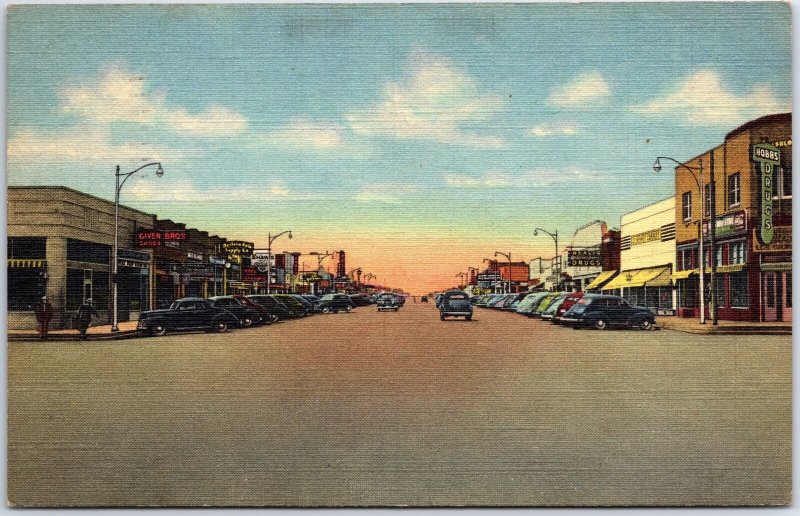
(392, 408)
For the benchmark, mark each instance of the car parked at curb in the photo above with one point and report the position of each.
(278, 311)
(246, 315)
(602, 311)
(566, 305)
(265, 315)
(550, 311)
(334, 303)
(189, 313)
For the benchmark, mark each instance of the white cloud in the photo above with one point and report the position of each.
(529, 179)
(383, 193)
(183, 190)
(557, 129)
(433, 103)
(121, 96)
(584, 90)
(703, 99)
(302, 134)
(83, 144)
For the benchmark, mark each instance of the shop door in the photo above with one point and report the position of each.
(787, 296)
(773, 296)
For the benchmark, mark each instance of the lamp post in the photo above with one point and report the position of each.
(125, 176)
(556, 261)
(509, 270)
(701, 255)
(271, 239)
(461, 275)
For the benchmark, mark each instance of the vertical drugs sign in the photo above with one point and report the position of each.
(767, 156)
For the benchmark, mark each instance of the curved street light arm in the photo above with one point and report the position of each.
(657, 167)
(126, 175)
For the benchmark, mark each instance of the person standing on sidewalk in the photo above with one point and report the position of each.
(84, 317)
(44, 312)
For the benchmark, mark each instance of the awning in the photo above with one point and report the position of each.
(680, 275)
(598, 281)
(27, 264)
(651, 277)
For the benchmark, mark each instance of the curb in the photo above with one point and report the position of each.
(129, 334)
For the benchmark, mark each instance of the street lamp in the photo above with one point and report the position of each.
(509, 270)
(125, 176)
(463, 276)
(271, 239)
(556, 261)
(701, 255)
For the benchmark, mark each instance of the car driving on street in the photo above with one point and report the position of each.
(455, 303)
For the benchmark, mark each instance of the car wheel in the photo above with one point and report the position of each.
(273, 318)
(348, 309)
(247, 322)
(326, 310)
(220, 327)
(600, 324)
(158, 330)
(468, 317)
(441, 317)
(646, 324)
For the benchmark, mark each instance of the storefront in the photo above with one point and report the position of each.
(647, 250)
(60, 243)
(747, 192)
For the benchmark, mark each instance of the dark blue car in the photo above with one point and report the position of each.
(601, 312)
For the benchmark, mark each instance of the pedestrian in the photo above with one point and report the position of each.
(84, 317)
(44, 312)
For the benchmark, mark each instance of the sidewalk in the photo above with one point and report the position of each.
(102, 332)
(693, 325)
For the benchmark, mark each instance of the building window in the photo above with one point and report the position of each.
(720, 248)
(734, 190)
(788, 290)
(739, 289)
(80, 251)
(707, 200)
(25, 288)
(783, 183)
(737, 253)
(687, 206)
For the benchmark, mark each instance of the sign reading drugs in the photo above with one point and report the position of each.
(584, 258)
(767, 156)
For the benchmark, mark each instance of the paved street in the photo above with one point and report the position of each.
(391, 408)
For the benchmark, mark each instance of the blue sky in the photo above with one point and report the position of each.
(422, 138)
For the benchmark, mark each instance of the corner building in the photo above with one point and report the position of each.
(753, 279)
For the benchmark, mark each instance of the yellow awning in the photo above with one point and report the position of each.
(652, 277)
(685, 274)
(17, 262)
(602, 278)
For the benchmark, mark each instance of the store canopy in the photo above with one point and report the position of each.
(652, 277)
(598, 281)
(27, 264)
(684, 274)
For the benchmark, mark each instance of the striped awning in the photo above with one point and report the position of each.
(26, 263)
(600, 280)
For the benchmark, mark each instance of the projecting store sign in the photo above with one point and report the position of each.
(767, 156)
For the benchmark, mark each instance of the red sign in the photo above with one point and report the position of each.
(149, 238)
(325, 283)
(252, 274)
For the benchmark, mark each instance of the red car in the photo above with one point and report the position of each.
(266, 317)
(566, 305)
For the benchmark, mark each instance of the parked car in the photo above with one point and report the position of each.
(296, 307)
(603, 311)
(530, 303)
(544, 303)
(277, 309)
(308, 305)
(566, 305)
(189, 313)
(335, 303)
(455, 303)
(361, 299)
(265, 315)
(245, 314)
(550, 311)
(388, 301)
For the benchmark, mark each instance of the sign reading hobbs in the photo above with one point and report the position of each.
(767, 156)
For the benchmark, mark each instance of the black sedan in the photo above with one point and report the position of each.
(276, 309)
(601, 312)
(190, 313)
(246, 314)
(335, 303)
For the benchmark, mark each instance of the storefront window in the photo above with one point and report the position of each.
(80, 251)
(739, 289)
(687, 293)
(719, 290)
(788, 290)
(32, 248)
(25, 288)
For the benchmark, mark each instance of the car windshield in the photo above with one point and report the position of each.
(327, 297)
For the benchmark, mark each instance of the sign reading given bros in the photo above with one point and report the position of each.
(148, 238)
(767, 156)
